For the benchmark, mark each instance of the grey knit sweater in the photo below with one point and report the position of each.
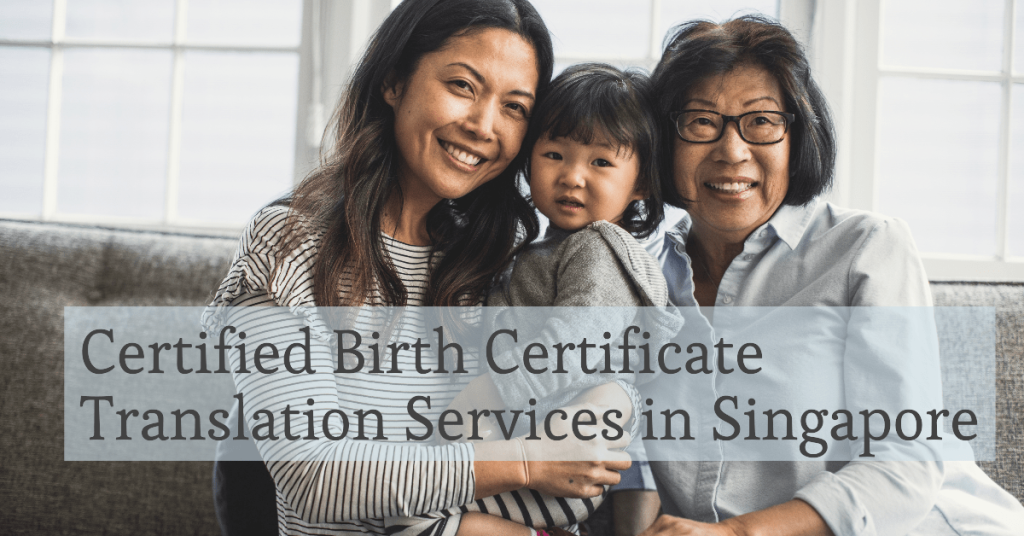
(600, 267)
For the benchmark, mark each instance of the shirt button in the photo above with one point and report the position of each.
(727, 300)
(748, 257)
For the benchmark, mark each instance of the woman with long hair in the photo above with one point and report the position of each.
(416, 203)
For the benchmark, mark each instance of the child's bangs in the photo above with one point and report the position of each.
(595, 113)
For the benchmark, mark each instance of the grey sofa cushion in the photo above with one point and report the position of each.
(1008, 299)
(44, 267)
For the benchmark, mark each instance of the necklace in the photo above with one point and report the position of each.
(704, 266)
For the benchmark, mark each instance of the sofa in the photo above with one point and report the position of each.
(47, 266)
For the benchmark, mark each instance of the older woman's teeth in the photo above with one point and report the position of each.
(461, 156)
(731, 187)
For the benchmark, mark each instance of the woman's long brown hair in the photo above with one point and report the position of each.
(476, 235)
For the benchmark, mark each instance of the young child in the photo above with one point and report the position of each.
(594, 174)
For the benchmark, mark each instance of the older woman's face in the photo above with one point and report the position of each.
(461, 117)
(733, 186)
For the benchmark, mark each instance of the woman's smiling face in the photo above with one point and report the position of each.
(461, 116)
(733, 187)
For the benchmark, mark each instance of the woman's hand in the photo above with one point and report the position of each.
(572, 467)
(572, 479)
(791, 518)
(667, 525)
(580, 479)
(569, 467)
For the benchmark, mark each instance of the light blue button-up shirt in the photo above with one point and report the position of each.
(822, 255)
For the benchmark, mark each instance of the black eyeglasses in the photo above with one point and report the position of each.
(757, 128)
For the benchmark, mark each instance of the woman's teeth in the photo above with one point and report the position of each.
(461, 156)
(730, 187)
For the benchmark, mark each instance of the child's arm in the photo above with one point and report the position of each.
(479, 524)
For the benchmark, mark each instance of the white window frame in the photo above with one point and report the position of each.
(59, 42)
(796, 15)
(849, 68)
(335, 34)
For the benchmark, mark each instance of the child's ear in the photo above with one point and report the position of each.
(391, 89)
(639, 193)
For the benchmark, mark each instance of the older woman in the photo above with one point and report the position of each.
(753, 147)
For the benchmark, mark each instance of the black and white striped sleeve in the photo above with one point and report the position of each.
(322, 481)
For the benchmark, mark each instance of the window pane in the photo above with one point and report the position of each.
(946, 34)
(114, 124)
(121, 20)
(245, 22)
(26, 19)
(238, 133)
(1018, 39)
(675, 12)
(598, 28)
(937, 161)
(23, 127)
(1015, 223)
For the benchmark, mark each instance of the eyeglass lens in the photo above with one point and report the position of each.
(755, 127)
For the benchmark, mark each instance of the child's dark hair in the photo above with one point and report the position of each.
(591, 100)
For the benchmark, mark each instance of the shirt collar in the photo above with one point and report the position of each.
(788, 223)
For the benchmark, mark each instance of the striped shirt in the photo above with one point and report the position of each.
(322, 493)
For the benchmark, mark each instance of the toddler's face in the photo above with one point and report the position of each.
(575, 184)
